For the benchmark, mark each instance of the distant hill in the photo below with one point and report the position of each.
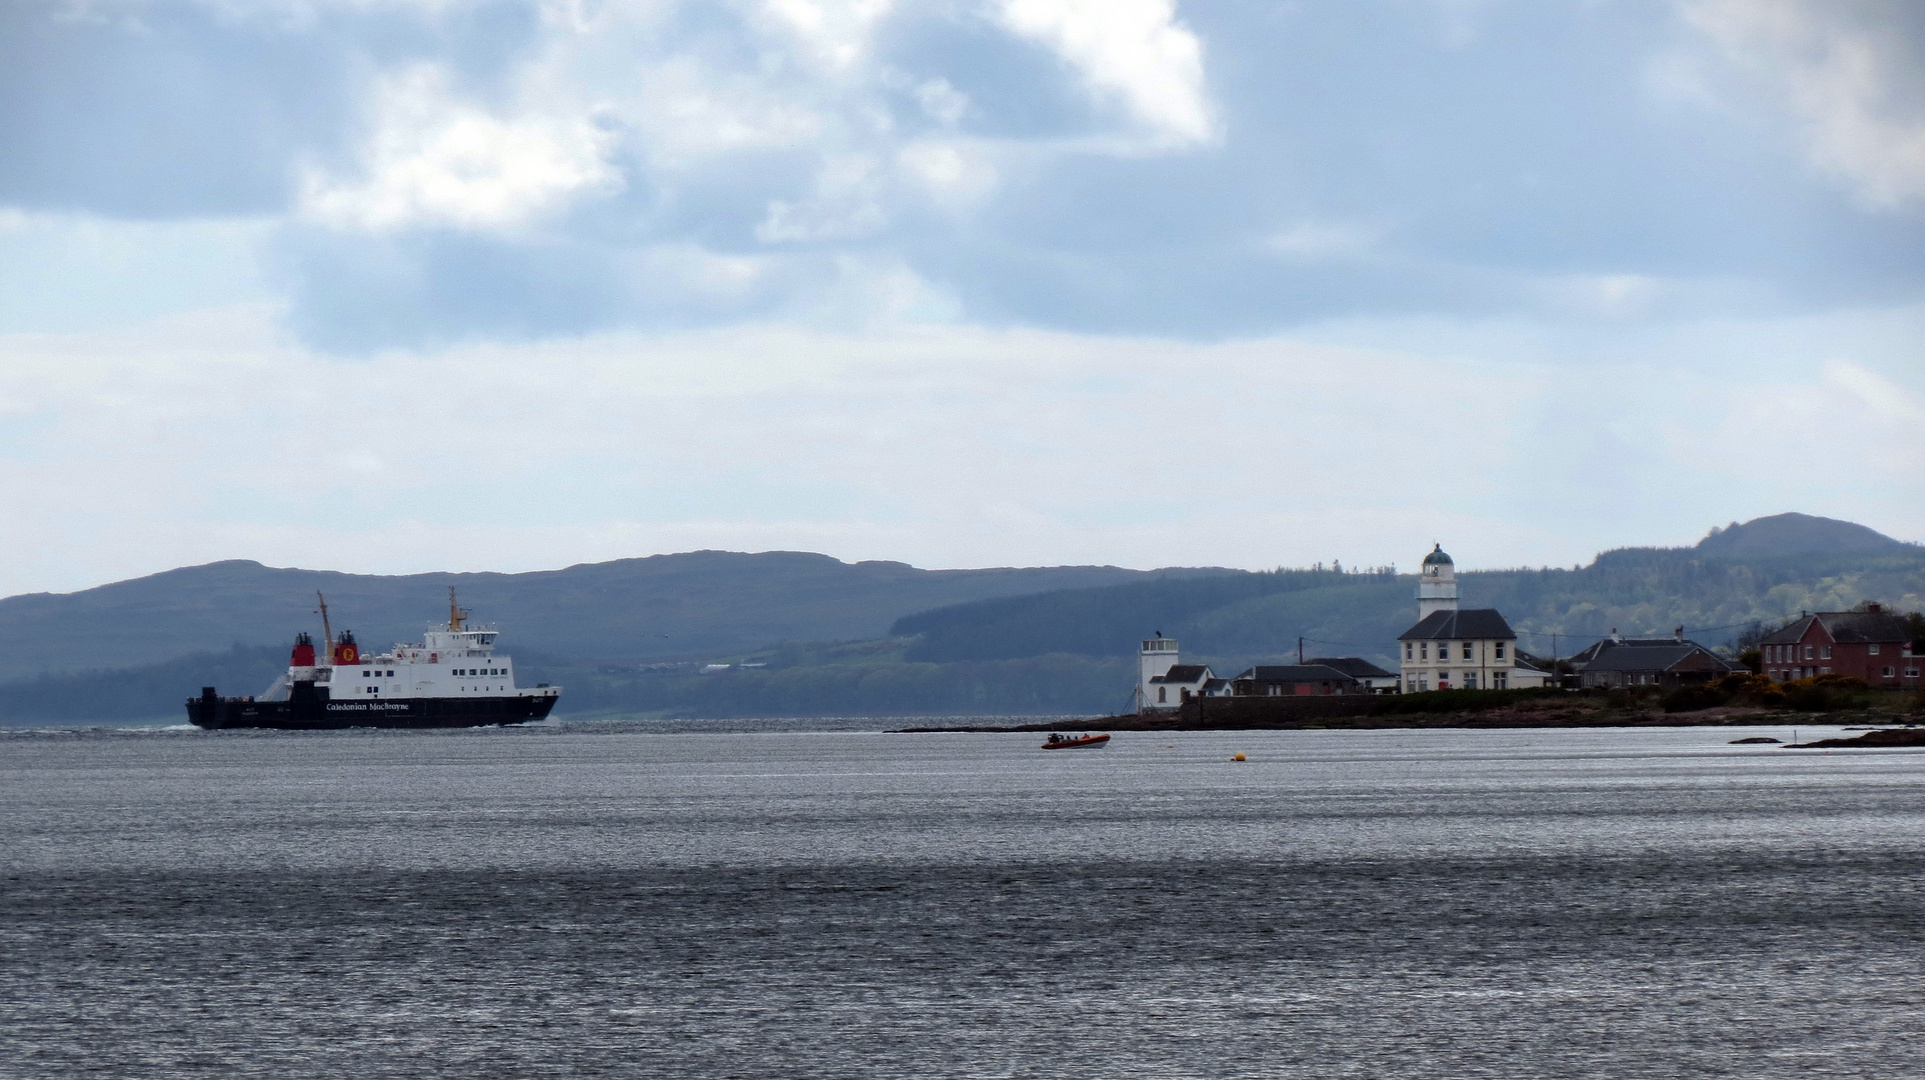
(1239, 618)
(1796, 534)
(688, 605)
(1058, 640)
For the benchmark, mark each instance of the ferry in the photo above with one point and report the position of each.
(450, 678)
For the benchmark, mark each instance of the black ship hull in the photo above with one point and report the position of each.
(312, 711)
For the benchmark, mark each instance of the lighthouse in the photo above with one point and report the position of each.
(1155, 659)
(1436, 584)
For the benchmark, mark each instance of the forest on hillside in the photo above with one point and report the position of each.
(1244, 618)
(1071, 651)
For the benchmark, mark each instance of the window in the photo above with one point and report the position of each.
(1888, 673)
(1824, 652)
(1500, 650)
(1808, 652)
(1911, 673)
(1470, 680)
(1824, 671)
(1409, 651)
(1500, 680)
(1874, 648)
(1467, 650)
(1423, 651)
(1162, 694)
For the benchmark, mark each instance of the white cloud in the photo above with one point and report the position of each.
(955, 173)
(1886, 401)
(942, 102)
(1316, 239)
(1851, 75)
(941, 445)
(835, 34)
(435, 158)
(1135, 50)
(613, 83)
(848, 202)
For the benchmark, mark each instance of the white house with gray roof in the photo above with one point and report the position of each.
(1452, 649)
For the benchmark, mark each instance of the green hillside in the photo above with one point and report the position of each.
(1241, 618)
(688, 605)
(855, 647)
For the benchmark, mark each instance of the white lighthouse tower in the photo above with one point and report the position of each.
(1436, 584)
(1157, 657)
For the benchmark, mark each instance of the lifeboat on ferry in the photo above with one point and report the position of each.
(1059, 741)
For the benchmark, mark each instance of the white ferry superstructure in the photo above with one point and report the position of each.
(450, 678)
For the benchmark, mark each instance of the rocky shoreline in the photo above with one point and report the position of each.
(1539, 713)
(1881, 738)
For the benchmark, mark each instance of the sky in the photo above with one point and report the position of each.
(402, 285)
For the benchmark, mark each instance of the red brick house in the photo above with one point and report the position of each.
(1873, 645)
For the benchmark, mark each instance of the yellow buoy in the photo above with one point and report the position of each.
(1239, 757)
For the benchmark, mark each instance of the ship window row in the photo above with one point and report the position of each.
(481, 671)
(376, 673)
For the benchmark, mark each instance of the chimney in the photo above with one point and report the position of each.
(1615, 639)
(1678, 633)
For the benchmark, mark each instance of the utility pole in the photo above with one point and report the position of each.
(1299, 652)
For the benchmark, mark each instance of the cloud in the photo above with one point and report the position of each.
(1854, 74)
(941, 445)
(1318, 240)
(1885, 400)
(424, 172)
(433, 159)
(1134, 50)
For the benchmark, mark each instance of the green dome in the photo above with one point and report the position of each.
(1438, 558)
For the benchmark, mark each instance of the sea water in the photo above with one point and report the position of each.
(583, 900)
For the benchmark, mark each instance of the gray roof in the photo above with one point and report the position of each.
(1656, 658)
(1847, 626)
(1354, 666)
(1287, 673)
(1183, 673)
(1589, 654)
(1451, 625)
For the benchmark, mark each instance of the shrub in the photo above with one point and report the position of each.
(1825, 693)
(1693, 697)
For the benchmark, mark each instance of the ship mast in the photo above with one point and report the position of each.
(327, 632)
(455, 614)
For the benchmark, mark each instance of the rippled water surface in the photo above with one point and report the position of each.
(581, 901)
